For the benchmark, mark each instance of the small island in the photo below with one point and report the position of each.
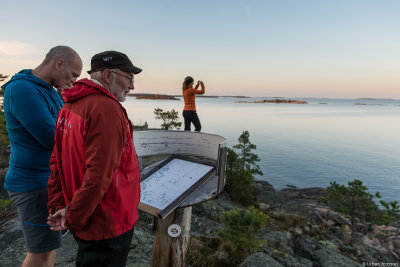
(364, 104)
(154, 96)
(366, 98)
(289, 101)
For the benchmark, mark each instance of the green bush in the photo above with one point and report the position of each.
(247, 160)
(169, 118)
(3, 131)
(203, 252)
(354, 201)
(390, 213)
(240, 170)
(239, 232)
(4, 203)
(3, 77)
(240, 186)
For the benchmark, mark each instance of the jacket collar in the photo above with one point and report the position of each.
(86, 87)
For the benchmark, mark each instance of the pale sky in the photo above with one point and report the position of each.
(289, 48)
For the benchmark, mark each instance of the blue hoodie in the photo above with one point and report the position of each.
(30, 106)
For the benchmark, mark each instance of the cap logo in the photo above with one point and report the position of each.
(107, 59)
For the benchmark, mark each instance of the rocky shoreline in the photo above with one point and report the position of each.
(301, 232)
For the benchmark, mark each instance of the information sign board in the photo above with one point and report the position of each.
(167, 186)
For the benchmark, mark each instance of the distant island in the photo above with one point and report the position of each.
(364, 104)
(236, 96)
(154, 96)
(365, 98)
(206, 96)
(289, 101)
(175, 97)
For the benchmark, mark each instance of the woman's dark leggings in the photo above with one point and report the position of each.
(190, 116)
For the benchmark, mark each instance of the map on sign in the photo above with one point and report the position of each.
(169, 182)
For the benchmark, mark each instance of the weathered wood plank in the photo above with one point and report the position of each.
(171, 251)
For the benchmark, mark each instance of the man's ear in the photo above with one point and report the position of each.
(60, 64)
(107, 76)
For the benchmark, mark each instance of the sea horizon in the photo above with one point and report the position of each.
(304, 145)
(268, 97)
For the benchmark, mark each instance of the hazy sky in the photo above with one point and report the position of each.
(293, 48)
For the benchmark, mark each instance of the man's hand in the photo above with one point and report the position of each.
(56, 221)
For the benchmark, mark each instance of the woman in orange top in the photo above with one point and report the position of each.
(189, 96)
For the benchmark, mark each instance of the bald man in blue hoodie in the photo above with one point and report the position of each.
(31, 105)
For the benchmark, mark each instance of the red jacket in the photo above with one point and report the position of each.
(94, 166)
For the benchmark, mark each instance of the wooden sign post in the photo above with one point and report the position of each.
(171, 251)
(194, 173)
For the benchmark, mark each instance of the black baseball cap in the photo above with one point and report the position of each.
(112, 60)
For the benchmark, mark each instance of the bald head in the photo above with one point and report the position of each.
(65, 52)
(60, 68)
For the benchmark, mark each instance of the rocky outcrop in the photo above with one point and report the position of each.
(298, 234)
(213, 209)
(260, 260)
(12, 247)
(321, 255)
(311, 193)
(273, 201)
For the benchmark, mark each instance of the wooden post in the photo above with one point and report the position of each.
(171, 251)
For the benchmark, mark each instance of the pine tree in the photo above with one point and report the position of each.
(3, 77)
(353, 200)
(240, 170)
(169, 118)
(247, 159)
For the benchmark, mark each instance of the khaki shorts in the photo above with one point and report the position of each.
(32, 214)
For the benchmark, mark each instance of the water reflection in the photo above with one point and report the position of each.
(305, 145)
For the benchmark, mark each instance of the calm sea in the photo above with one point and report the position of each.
(305, 145)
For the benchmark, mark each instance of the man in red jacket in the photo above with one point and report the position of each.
(94, 187)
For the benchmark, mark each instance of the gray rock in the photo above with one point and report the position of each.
(224, 196)
(316, 217)
(204, 227)
(212, 209)
(286, 259)
(326, 214)
(329, 244)
(280, 241)
(260, 259)
(13, 249)
(279, 245)
(12, 244)
(141, 248)
(304, 193)
(303, 262)
(320, 255)
(264, 185)
(66, 254)
(279, 203)
(263, 207)
(396, 242)
(14, 253)
(368, 254)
